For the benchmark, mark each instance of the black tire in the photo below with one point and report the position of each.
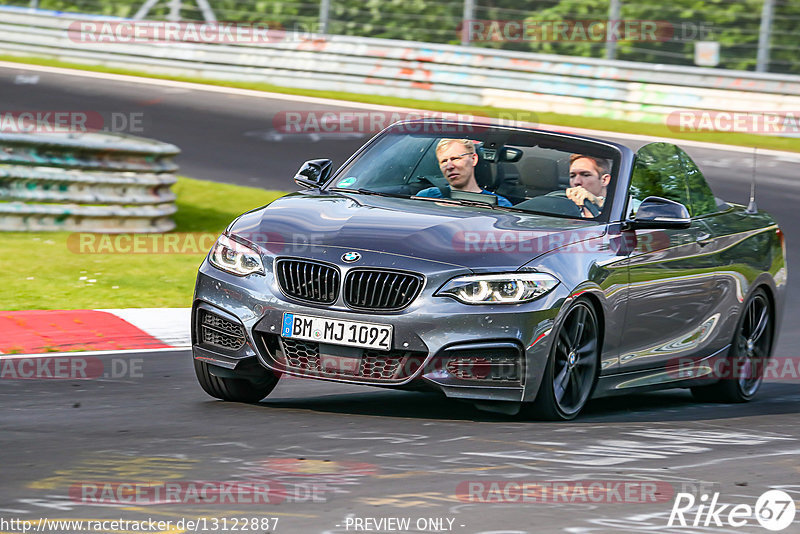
(251, 389)
(750, 351)
(572, 368)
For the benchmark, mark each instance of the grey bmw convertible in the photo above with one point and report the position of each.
(524, 271)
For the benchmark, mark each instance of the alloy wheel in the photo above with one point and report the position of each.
(753, 343)
(575, 359)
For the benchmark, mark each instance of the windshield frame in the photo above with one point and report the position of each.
(621, 158)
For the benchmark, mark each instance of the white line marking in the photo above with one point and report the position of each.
(92, 352)
(194, 86)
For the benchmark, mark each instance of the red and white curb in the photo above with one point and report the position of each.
(49, 331)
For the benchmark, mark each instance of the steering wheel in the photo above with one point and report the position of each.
(590, 206)
(558, 203)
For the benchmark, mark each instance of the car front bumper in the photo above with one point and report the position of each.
(473, 352)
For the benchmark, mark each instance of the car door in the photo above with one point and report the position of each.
(671, 282)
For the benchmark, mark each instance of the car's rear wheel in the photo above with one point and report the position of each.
(259, 382)
(571, 371)
(750, 350)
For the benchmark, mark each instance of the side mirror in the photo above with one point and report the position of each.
(313, 173)
(657, 212)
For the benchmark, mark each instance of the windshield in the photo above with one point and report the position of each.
(492, 166)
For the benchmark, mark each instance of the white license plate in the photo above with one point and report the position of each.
(337, 332)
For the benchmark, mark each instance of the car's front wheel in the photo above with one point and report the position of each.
(571, 371)
(750, 350)
(228, 385)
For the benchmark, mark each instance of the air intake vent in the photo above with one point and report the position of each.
(220, 332)
(478, 368)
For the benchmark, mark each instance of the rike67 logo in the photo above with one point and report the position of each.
(774, 510)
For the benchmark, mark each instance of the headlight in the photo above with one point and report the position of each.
(511, 288)
(234, 257)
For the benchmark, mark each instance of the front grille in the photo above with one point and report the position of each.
(374, 365)
(369, 289)
(220, 332)
(308, 280)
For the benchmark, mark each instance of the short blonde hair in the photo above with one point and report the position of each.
(468, 144)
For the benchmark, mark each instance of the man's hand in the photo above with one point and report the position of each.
(579, 196)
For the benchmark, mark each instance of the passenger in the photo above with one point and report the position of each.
(588, 179)
(457, 160)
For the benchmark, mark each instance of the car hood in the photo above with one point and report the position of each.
(471, 237)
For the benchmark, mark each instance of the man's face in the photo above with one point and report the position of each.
(583, 173)
(460, 172)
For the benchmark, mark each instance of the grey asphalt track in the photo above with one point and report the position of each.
(335, 454)
(346, 451)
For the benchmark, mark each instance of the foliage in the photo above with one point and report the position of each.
(733, 23)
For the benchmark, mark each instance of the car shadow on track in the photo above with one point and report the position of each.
(679, 405)
(402, 404)
(671, 405)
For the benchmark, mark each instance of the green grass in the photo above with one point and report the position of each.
(649, 129)
(44, 270)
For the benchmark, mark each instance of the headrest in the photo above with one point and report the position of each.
(539, 173)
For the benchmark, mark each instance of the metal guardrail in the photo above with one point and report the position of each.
(92, 182)
(540, 83)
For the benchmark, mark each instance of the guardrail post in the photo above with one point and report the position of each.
(174, 11)
(34, 4)
(208, 13)
(324, 13)
(613, 18)
(469, 14)
(144, 10)
(764, 31)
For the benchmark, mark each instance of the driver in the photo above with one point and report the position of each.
(588, 179)
(457, 160)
